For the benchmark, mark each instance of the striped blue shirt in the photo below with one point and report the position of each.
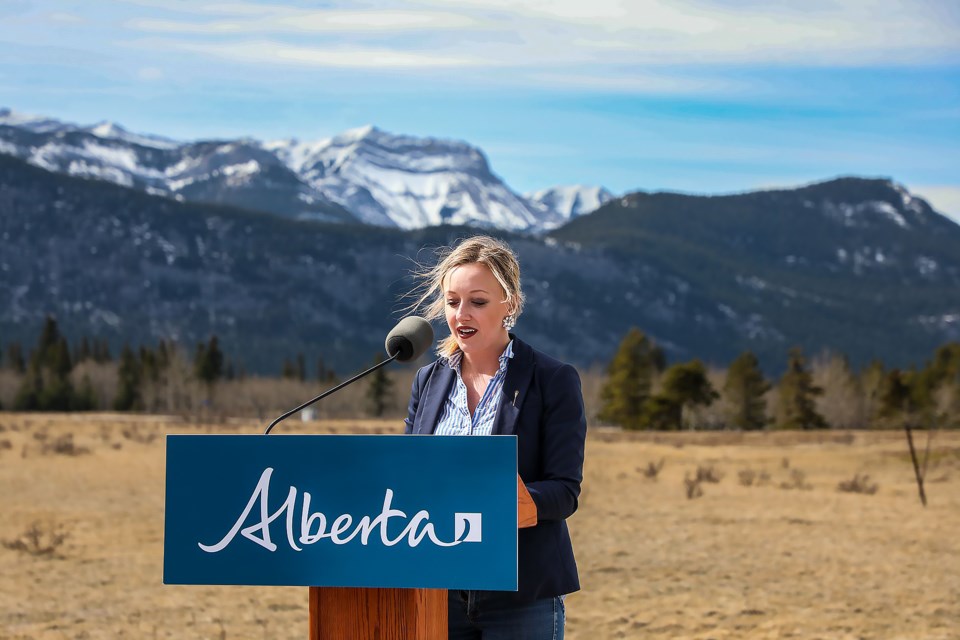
(455, 418)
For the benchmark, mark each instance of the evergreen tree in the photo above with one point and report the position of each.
(128, 382)
(85, 398)
(208, 365)
(101, 351)
(149, 365)
(871, 383)
(301, 370)
(744, 391)
(289, 370)
(684, 385)
(797, 393)
(57, 392)
(15, 361)
(49, 337)
(894, 395)
(378, 389)
(46, 385)
(84, 352)
(905, 395)
(945, 366)
(325, 373)
(629, 378)
(661, 413)
(28, 394)
(938, 386)
(164, 353)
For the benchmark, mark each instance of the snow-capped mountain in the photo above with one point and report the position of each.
(363, 174)
(112, 131)
(571, 201)
(409, 182)
(236, 172)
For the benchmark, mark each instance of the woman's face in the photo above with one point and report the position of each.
(475, 310)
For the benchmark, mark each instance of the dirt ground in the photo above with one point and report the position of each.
(787, 556)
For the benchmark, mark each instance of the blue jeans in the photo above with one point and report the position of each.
(492, 615)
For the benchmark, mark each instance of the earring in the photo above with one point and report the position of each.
(508, 322)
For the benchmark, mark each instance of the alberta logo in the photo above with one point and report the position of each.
(342, 529)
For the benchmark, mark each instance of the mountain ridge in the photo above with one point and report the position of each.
(363, 174)
(120, 264)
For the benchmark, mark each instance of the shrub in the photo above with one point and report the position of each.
(859, 484)
(798, 480)
(709, 473)
(652, 469)
(749, 477)
(139, 433)
(39, 541)
(63, 445)
(692, 486)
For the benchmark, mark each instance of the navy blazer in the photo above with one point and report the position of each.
(542, 404)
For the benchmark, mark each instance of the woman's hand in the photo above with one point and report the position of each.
(526, 509)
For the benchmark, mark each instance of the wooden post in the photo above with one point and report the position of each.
(342, 613)
(916, 465)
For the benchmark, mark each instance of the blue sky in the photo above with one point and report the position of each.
(707, 96)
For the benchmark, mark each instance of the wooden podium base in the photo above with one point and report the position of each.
(342, 613)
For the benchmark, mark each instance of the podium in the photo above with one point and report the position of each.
(374, 525)
(377, 613)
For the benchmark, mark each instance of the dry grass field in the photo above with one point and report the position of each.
(786, 556)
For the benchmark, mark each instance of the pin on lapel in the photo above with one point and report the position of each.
(515, 394)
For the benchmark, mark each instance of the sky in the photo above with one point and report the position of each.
(711, 96)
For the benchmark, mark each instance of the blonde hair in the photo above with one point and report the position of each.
(494, 254)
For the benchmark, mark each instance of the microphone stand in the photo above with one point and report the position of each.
(329, 391)
(395, 612)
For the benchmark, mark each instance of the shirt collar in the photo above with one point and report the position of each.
(453, 361)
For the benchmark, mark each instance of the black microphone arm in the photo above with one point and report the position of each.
(407, 341)
(328, 392)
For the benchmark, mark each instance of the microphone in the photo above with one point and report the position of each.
(410, 339)
(407, 341)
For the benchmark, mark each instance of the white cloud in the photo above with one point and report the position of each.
(210, 8)
(66, 18)
(641, 82)
(150, 73)
(558, 33)
(272, 52)
(660, 31)
(337, 22)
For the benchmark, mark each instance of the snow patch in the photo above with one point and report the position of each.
(113, 131)
(84, 169)
(570, 201)
(238, 174)
(907, 199)
(948, 322)
(36, 124)
(926, 266)
(753, 282)
(859, 215)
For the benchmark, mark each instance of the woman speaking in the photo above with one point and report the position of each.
(489, 382)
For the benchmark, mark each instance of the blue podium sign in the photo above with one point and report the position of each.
(342, 510)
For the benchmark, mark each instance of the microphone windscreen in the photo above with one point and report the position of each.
(411, 338)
